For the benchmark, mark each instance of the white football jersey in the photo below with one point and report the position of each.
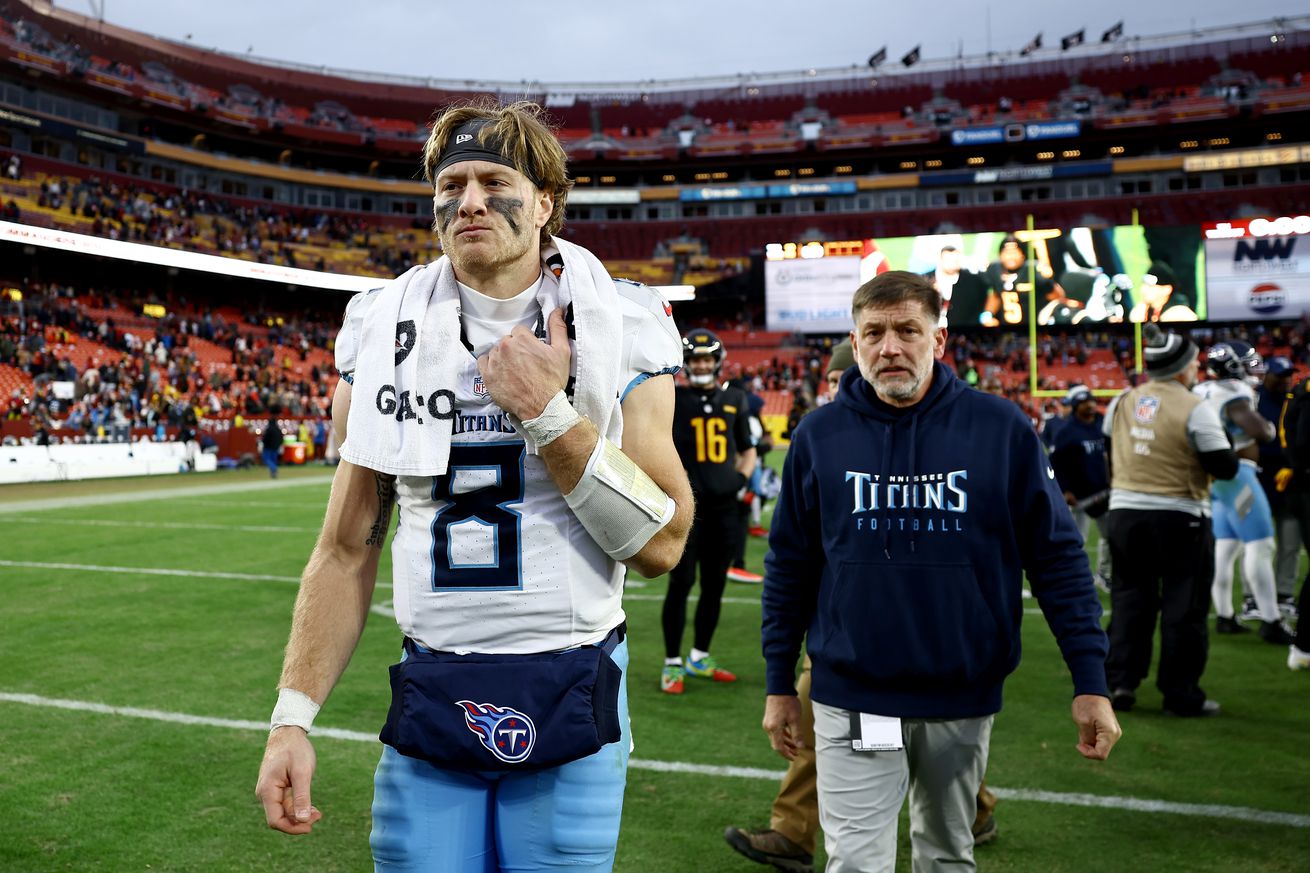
(489, 558)
(1219, 393)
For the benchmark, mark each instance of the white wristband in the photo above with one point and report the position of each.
(293, 708)
(557, 418)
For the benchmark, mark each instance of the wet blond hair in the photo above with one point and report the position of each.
(526, 139)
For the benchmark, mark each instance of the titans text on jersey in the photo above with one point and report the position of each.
(488, 557)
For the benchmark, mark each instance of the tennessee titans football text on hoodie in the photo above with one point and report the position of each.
(899, 545)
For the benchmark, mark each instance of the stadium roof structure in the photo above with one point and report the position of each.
(1212, 43)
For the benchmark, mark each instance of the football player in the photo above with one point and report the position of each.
(1243, 520)
(531, 455)
(712, 434)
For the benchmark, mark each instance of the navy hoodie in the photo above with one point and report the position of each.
(899, 545)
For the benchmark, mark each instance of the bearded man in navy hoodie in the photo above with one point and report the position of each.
(910, 511)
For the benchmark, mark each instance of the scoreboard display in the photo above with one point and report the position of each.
(1000, 279)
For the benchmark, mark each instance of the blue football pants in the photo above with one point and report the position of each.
(1241, 509)
(429, 820)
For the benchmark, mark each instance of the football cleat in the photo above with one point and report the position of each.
(1297, 659)
(671, 679)
(758, 530)
(1224, 625)
(706, 668)
(746, 577)
(1250, 612)
(1276, 632)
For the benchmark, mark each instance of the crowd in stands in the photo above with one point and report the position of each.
(999, 363)
(772, 122)
(197, 221)
(90, 365)
(205, 362)
(121, 209)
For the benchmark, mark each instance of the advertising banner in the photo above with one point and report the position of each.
(1258, 269)
(811, 295)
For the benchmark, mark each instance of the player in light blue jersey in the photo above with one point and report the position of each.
(517, 404)
(1243, 521)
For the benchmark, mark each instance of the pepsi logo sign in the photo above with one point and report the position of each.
(1266, 298)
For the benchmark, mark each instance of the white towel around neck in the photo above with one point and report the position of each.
(402, 411)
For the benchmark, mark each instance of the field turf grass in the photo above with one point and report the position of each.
(92, 791)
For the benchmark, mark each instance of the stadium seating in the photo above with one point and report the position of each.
(309, 108)
(861, 114)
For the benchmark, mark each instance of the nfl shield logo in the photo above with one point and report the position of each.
(479, 387)
(1146, 409)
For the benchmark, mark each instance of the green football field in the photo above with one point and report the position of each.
(141, 630)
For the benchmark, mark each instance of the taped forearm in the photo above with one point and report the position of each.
(618, 503)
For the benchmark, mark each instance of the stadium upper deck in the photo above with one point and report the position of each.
(1246, 70)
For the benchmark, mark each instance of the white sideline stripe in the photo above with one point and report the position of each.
(173, 717)
(161, 571)
(706, 769)
(253, 577)
(152, 571)
(170, 525)
(1131, 804)
(318, 504)
(156, 494)
(1138, 804)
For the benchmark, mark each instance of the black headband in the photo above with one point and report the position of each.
(465, 145)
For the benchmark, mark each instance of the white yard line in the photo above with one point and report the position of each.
(317, 505)
(48, 521)
(216, 574)
(1131, 804)
(151, 571)
(1141, 804)
(163, 571)
(157, 494)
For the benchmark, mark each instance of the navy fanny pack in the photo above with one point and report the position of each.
(504, 712)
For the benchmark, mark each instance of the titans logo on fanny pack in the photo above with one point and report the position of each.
(506, 733)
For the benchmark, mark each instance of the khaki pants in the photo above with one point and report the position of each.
(796, 809)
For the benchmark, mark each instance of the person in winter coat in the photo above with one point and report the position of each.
(911, 508)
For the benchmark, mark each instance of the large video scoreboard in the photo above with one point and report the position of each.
(1063, 276)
